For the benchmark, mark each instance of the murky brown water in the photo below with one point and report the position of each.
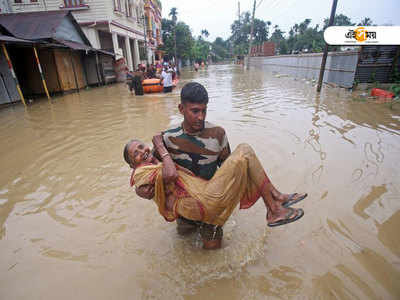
(72, 228)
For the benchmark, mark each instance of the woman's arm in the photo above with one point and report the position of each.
(169, 172)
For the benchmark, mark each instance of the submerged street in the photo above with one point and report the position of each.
(72, 227)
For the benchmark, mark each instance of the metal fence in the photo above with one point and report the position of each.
(378, 64)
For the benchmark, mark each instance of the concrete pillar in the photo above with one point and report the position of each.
(115, 42)
(128, 53)
(136, 50)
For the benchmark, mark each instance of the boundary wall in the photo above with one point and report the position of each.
(340, 66)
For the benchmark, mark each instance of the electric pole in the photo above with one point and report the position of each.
(251, 35)
(325, 55)
(239, 11)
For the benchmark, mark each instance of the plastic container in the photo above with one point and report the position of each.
(381, 93)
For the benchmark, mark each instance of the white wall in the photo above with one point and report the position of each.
(93, 36)
(121, 18)
(96, 10)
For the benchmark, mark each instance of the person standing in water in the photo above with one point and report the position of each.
(166, 78)
(202, 147)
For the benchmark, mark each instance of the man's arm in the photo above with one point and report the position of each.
(226, 150)
(169, 171)
(224, 154)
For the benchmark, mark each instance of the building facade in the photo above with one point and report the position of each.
(46, 52)
(112, 25)
(153, 25)
(264, 49)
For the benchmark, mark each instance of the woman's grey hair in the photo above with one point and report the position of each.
(126, 153)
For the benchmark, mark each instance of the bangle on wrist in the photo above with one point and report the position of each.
(165, 154)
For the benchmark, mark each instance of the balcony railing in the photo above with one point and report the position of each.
(74, 3)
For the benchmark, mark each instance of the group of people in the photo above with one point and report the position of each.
(197, 65)
(166, 72)
(194, 178)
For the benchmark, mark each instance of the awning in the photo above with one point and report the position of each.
(10, 39)
(79, 46)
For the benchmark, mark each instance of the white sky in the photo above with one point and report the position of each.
(217, 15)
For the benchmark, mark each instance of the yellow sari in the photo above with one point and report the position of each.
(240, 179)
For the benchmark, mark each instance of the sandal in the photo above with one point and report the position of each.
(293, 198)
(297, 213)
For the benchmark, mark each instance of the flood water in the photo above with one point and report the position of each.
(71, 227)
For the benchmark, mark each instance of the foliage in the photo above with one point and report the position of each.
(186, 46)
(340, 20)
(200, 50)
(365, 22)
(395, 88)
(241, 33)
(302, 37)
(173, 14)
(205, 33)
(220, 49)
(184, 39)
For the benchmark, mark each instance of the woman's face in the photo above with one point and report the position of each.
(139, 153)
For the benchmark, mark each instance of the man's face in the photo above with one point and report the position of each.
(194, 116)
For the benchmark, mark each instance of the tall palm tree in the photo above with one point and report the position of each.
(365, 22)
(173, 13)
(205, 33)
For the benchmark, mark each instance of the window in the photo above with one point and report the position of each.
(34, 1)
(142, 51)
(74, 3)
(17, 1)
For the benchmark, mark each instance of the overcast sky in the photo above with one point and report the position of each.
(217, 15)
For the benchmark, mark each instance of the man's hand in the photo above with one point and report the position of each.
(145, 191)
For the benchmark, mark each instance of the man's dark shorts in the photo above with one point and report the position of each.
(168, 89)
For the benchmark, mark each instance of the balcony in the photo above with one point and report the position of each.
(74, 5)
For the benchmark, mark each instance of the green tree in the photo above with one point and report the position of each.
(277, 35)
(283, 47)
(173, 14)
(366, 22)
(205, 33)
(340, 20)
(184, 39)
(302, 37)
(240, 36)
(220, 49)
(201, 49)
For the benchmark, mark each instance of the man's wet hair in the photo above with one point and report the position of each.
(194, 92)
(126, 153)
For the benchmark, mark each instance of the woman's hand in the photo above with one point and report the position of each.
(169, 172)
(158, 141)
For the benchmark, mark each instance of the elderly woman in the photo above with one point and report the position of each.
(241, 179)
